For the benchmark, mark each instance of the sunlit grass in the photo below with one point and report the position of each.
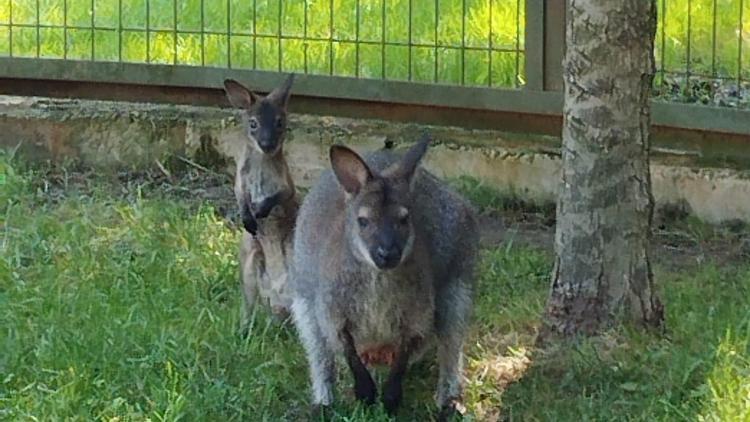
(125, 307)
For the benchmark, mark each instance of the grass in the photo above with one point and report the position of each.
(122, 305)
(247, 36)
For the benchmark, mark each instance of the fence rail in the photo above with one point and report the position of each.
(501, 55)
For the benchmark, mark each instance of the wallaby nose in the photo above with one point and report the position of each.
(267, 144)
(387, 257)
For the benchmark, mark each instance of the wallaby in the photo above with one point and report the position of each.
(383, 266)
(266, 198)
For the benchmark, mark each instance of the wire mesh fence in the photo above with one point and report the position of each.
(703, 51)
(702, 46)
(464, 42)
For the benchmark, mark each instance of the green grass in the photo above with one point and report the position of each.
(500, 23)
(121, 306)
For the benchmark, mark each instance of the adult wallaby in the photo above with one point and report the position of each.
(266, 197)
(383, 265)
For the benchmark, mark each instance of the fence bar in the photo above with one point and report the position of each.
(148, 31)
(65, 29)
(688, 59)
(38, 35)
(663, 38)
(463, 42)
(741, 42)
(324, 86)
(229, 34)
(304, 35)
(518, 44)
(255, 34)
(410, 42)
(278, 33)
(554, 44)
(382, 37)
(119, 30)
(356, 40)
(174, 35)
(534, 45)
(330, 41)
(203, 32)
(684, 116)
(713, 40)
(489, 44)
(10, 28)
(93, 32)
(435, 51)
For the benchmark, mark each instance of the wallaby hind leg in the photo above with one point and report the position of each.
(454, 304)
(252, 264)
(364, 387)
(393, 387)
(319, 355)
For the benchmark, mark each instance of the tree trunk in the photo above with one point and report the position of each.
(602, 272)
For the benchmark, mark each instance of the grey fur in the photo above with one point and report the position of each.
(427, 297)
(266, 198)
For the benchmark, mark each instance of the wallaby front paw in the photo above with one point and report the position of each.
(365, 390)
(392, 395)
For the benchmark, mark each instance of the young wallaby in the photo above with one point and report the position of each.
(383, 266)
(266, 198)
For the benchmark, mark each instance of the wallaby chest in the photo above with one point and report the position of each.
(386, 308)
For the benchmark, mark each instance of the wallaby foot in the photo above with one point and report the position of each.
(320, 412)
(392, 395)
(393, 390)
(319, 356)
(453, 410)
(246, 316)
(364, 386)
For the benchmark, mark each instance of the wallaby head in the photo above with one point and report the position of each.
(264, 117)
(378, 221)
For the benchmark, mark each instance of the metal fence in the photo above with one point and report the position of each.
(703, 50)
(460, 53)
(464, 42)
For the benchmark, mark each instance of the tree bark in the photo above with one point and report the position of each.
(602, 274)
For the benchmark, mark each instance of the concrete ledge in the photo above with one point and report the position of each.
(113, 135)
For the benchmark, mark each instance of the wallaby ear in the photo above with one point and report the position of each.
(349, 168)
(238, 95)
(281, 94)
(413, 157)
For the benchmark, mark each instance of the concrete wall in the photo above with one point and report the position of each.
(112, 135)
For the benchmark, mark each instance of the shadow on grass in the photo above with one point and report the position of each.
(699, 371)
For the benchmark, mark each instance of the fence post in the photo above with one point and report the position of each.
(544, 44)
(534, 44)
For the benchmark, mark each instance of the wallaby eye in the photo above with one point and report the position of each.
(279, 123)
(253, 124)
(363, 222)
(404, 220)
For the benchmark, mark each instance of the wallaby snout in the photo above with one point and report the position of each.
(387, 252)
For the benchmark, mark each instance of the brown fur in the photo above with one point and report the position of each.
(266, 198)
